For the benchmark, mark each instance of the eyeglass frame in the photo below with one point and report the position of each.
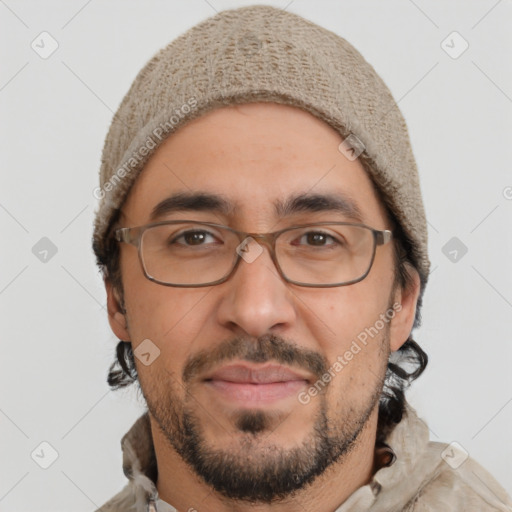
(133, 236)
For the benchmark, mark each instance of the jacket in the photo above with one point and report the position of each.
(420, 476)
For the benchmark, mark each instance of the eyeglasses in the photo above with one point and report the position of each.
(186, 253)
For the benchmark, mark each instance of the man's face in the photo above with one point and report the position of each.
(216, 343)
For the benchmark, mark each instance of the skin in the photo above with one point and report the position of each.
(252, 155)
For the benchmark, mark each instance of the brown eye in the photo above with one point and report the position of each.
(317, 239)
(195, 237)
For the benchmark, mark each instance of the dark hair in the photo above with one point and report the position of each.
(410, 360)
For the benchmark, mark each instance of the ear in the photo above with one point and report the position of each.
(401, 325)
(116, 315)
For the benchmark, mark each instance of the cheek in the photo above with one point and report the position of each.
(339, 315)
(348, 328)
(171, 318)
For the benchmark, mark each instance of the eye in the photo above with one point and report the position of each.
(194, 237)
(317, 239)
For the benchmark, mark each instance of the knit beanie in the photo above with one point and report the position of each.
(261, 53)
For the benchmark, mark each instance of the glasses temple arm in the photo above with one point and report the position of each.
(383, 237)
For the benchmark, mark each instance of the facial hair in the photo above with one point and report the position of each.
(253, 469)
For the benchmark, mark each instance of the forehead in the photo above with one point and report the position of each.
(258, 158)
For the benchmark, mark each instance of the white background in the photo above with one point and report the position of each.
(56, 345)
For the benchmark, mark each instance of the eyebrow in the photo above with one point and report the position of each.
(194, 202)
(306, 202)
(339, 203)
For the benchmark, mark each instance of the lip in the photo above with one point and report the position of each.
(251, 384)
(249, 374)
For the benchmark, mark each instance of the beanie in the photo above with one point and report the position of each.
(262, 53)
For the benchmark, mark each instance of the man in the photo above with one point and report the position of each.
(264, 246)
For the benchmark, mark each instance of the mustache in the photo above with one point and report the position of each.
(260, 350)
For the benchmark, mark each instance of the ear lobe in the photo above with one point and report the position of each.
(402, 323)
(120, 319)
(116, 314)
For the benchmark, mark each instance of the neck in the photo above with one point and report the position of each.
(179, 485)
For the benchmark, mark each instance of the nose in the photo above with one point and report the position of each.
(256, 300)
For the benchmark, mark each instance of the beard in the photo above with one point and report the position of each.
(252, 468)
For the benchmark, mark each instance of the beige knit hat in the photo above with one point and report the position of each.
(261, 53)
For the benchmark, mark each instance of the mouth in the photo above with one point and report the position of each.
(251, 385)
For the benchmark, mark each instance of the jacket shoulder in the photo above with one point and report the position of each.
(454, 487)
(123, 501)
